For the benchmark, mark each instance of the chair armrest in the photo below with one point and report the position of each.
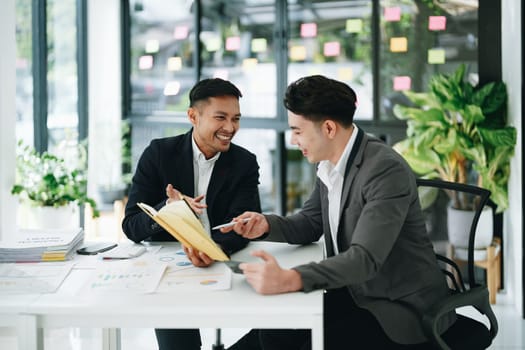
(478, 297)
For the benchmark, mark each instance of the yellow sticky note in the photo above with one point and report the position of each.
(174, 63)
(345, 73)
(297, 53)
(436, 56)
(249, 64)
(398, 44)
(354, 25)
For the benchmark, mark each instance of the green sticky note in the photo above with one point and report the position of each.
(259, 45)
(436, 56)
(354, 25)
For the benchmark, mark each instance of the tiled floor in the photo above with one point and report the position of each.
(511, 334)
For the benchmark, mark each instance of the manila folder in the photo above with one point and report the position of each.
(180, 221)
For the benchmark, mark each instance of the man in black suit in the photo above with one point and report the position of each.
(218, 178)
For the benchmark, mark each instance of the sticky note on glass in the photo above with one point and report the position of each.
(308, 30)
(152, 46)
(233, 43)
(181, 32)
(171, 88)
(398, 44)
(402, 83)
(212, 44)
(174, 63)
(345, 73)
(392, 14)
(354, 25)
(436, 56)
(437, 22)
(259, 45)
(145, 62)
(249, 64)
(332, 49)
(297, 53)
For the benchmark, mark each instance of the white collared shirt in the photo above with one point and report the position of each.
(202, 169)
(333, 178)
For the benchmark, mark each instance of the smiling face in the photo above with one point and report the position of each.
(215, 121)
(308, 136)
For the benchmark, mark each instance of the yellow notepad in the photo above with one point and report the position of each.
(180, 221)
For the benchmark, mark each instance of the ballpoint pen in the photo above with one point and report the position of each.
(229, 224)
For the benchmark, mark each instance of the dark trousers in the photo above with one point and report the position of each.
(178, 339)
(190, 339)
(345, 326)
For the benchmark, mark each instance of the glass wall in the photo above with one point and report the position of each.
(333, 38)
(162, 50)
(379, 47)
(237, 45)
(419, 39)
(62, 74)
(24, 72)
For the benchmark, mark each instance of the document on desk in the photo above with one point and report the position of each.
(181, 275)
(125, 276)
(31, 278)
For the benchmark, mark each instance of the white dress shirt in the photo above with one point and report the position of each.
(202, 169)
(333, 178)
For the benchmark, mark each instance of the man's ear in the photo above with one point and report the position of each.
(329, 128)
(192, 115)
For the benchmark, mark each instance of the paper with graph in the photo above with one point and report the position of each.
(125, 277)
(181, 275)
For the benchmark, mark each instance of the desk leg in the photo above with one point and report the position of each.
(317, 333)
(28, 333)
(111, 339)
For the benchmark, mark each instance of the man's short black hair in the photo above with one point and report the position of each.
(318, 98)
(212, 87)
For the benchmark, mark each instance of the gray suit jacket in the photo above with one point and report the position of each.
(386, 258)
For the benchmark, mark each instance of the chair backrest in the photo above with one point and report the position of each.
(473, 197)
(466, 333)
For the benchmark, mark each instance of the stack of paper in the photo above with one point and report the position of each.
(30, 245)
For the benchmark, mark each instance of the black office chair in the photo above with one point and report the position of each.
(465, 333)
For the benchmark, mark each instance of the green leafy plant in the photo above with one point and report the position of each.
(458, 132)
(43, 179)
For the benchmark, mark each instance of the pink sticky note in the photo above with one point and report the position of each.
(145, 62)
(392, 14)
(332, 48)
(437, 22)
(181, 32)
(402, 83)
(308, 30)
(233, 43)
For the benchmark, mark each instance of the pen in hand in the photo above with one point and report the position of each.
(229, 224)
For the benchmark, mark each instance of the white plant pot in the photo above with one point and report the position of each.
(49, 217)
(458, 225)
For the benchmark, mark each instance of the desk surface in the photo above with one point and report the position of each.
(241, 300)
(238, 307)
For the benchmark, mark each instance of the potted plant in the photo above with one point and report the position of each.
(44, 181)
(458, 132)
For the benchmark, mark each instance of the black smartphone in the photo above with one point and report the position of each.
(234, 265)
(96, 248)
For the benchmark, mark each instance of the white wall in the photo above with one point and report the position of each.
(7, 117)
(512, 75)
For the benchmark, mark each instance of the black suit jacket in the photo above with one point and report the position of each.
(233, 188)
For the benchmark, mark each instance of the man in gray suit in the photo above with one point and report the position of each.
(380, 269)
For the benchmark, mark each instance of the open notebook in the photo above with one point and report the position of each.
(181, 222)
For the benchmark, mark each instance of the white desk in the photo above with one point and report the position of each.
(240, 307)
